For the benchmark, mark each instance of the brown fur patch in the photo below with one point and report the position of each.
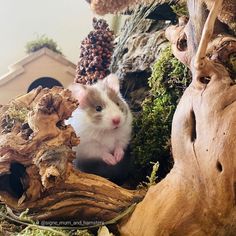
(93, 99)
(117, 100)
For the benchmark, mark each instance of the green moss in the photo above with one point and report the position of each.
(233, 27)
(180, 9)
(24, 226)
(7, 226)
(152, 179)
(151, 136)
(32, 231)
(232, 62)
(13, 115)
(42, 42)
(18, 113)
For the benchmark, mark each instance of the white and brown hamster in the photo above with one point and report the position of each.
(103, 121)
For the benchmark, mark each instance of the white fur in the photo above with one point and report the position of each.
(102, 140)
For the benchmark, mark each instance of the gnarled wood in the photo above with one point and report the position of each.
(198, 195)
(36, 170)
(227, 13)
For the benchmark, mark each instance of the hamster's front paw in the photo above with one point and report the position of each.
(109, 159)
(118, 154)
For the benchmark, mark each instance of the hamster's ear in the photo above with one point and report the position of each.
(79, 92)
(112, 81)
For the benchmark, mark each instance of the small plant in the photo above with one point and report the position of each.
(153, 177)
(41, 42)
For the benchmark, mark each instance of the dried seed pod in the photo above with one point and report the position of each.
(95, 55)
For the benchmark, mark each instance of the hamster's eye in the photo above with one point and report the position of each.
(98, 108)
(118, 104)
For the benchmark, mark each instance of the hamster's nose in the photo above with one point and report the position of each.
(116, 121)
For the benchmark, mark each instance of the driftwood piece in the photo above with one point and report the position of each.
(227, 13)
(198, 196)
(36, 170)
(221, 46)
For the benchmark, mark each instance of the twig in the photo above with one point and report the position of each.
(207, 34)
(25, 222)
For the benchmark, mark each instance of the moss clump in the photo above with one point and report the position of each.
(152, 128)
(42, 42)
(25, 226)
(180, 9)
(7, 227)
(18, 113)
(32, 231)
(13, 115)
(232, 62)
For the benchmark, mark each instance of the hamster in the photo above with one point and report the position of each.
(103, 121)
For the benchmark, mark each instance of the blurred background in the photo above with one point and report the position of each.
(61, 22)
(66, 22)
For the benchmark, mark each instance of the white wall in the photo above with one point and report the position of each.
(66, 21)
(38, 65)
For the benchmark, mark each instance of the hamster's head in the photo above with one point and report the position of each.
(102, 103)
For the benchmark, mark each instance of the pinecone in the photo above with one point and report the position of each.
(96, 53)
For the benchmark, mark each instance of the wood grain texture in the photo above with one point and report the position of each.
(36, 170)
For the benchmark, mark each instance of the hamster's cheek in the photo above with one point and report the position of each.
(94, 117)
(106, 122)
